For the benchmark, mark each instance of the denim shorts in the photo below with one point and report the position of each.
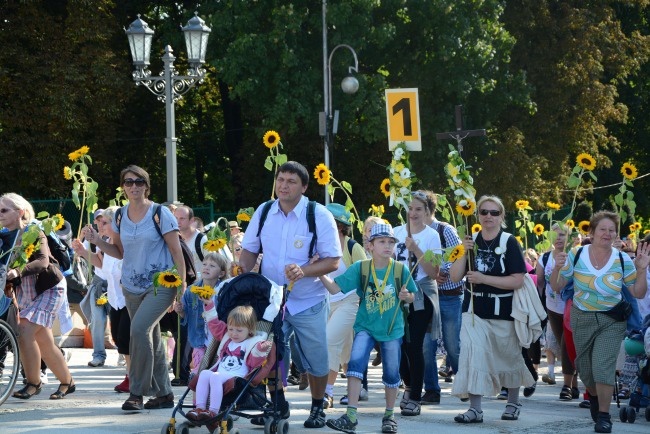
(391, 353)
(309, 328)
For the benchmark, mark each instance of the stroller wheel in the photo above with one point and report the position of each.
(622, 414)
(183, 428)
(283, 426)
(233, 431)
(272, 426)
(168, 428)
(631, 415)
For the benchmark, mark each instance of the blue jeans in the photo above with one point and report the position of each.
(391, 353)
(98, 318)
(451, 314)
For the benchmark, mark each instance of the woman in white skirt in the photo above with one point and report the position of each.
(490, 353)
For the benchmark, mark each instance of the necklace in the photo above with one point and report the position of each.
(489, 246)
(595, 262)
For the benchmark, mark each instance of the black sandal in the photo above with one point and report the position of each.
(24, 392)
(70, 388)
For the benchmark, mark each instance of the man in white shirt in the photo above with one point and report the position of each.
(285, 240)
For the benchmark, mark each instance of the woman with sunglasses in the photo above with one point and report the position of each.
(490, 352)
(424, 312)
(41, 290)
(144, 252)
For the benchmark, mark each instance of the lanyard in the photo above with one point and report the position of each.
(382, 285)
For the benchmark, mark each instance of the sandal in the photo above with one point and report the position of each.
(604, 424)
(70, 388)
(511, 415)
(411, 408)
(624, 393)
(405, 399)
(24, 392)
(389, 424)
(565, 394)
(133, 403)
(343, 424)
(470, 416)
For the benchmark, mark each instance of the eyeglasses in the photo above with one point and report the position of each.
(492, 212)
(139, 182)
(6, 210)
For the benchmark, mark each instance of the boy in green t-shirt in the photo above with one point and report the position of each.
(379, 319)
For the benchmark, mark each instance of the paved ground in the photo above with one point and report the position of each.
(95, 408)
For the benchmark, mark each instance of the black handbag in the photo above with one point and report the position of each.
(620, 312)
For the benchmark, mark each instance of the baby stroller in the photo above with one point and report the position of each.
(267, 299)
(640, 396)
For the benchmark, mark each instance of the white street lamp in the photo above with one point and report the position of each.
(328, 124)
(169, 87)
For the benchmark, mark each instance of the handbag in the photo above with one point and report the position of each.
(620, 312)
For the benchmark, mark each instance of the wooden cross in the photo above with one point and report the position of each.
(460, 134)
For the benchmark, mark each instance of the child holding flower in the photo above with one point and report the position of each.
(215, 268)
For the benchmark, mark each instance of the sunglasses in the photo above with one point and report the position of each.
(139, 182)
(492, 212)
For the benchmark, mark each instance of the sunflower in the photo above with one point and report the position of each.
(83, 150)
(637, 226)
(169, 279)
(385, 187)
(29, 250)
(102, 300)
(629, 171)
(467, 209)
(67, 173)
(214, 245)
(632, 236)
(74, 155)
(205, 291)
(583, 227)
(552, 205)
(586, 161)
(243, 217)
(646, 232)
(521, 204)
(271, 139)
(458, 252)
(518, 238)
(60, 222)
(632, 228)
(322, 174)
(538, 229)
(570, 224)
(476, 228)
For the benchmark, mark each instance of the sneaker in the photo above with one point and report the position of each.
(575, 393)
(363, 395)
(328, 402)
(316, 418)
(343, 424)
(377, 360)
(344, 400)
(96, 363)
(449, 378)
(121, 361)
(548, 379)
(67, 354)
(178, 382)
(528, 391)
(604, 423)
(304, 381)
(123, 387)
(430, 397)
(293, 380)
(503, 395)
(44, 379)
(158, 402)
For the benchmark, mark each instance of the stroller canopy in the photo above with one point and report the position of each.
(250, 289)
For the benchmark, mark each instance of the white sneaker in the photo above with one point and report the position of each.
(121, 361)
(363, 395)
(67, 354)
(44, 379)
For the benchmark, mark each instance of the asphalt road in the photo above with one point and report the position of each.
(96, 408)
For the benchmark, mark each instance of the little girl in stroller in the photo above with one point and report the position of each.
(241, 349)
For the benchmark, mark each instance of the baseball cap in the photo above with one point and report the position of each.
(233, 224)
(340, 213)
(98, 213)
(382, 230)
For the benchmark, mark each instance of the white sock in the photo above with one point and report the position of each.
(329, 389)
(551, 370)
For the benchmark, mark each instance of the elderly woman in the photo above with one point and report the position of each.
(490, 352)
(136, 240)
(599, 272)
(41, 290)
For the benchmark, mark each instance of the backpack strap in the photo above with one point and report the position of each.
(198, 246)
(441, 231)
(397, 273)
(311, 224)
(365, 276)
(577, 256)
(544, 259)
(156, 218)
(263, 215)
(118, 217)
(351, 243)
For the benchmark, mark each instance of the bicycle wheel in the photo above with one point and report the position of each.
(9, 361)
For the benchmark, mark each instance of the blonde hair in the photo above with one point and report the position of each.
(497, 201)
(221, 261)
(109, 213)
(20, 203)
(370, 222)
(243, 316)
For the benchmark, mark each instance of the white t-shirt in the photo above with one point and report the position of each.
(427, 239)
(554, 301)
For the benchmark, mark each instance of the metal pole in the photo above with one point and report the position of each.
(326, 97)
(170, 119)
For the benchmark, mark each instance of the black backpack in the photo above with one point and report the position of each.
(311, 223)
(61, 252)
(188, 258)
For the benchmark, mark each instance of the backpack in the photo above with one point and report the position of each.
(351, 244)
(198, 247)
(188, 258)
(311, 223)
(60, 251)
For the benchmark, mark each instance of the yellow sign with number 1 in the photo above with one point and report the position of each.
(403, 118)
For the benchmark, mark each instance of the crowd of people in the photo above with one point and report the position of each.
(354, 297)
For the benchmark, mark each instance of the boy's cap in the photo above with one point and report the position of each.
(340, 213)
(382, 230)
(233, 225)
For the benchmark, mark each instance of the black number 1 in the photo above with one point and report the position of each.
(405, 106)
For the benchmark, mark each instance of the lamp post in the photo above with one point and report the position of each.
(328, 121)
(169, 87)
